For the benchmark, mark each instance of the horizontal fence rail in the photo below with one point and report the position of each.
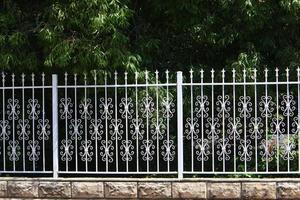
(234, 122)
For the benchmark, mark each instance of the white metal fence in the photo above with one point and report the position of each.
(147, 123)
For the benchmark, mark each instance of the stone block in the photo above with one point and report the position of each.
(55, 189)
(120, 190)
(259, 190)
(193, 190)
(154, 190)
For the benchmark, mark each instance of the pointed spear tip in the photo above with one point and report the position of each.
(287, 69)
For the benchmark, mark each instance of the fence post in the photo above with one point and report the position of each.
(180, 125)
(55, 125)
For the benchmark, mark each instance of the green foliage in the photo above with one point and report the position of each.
(133, 35)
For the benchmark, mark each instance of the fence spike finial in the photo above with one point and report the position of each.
(116, 75)
(266, 72)
(85, 76)
(23, 77)
(146, 75)
(298, 71)
(201, 72)
(66, 77)
(276, 72)
(32, 77)
(191, 73)
(167, 72)
(212, 73)
(223, 73)
(136, 75)
(13, 77)
(125, 75)
(95, 75)
(255, 72)
(43, 77)
(156, 74)
(75, 77)
(244, 73)
(287, 72)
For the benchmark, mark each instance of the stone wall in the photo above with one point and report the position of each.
(16, 188)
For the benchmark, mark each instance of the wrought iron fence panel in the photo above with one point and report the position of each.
(242, 127)
(226, 122)
(25, 124)
(117, 128)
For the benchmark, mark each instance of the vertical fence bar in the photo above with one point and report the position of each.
(298, 116)
(55, 125)
(179, 125)
(234, 121)
(277, 119)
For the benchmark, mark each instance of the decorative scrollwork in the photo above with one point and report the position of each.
(116, 129)
(288, 148)
(33, 108)
(106, 108)
(5, 129)
(234, 128)
(266, 106)
(147, 106)
(86, 150)
(13, 109)
(106, 151)
(256, 126)
(245, 150)
(191, 128)
(267, 147)
(76, 129)
(223, 106)
(158, 128)
(245, 108)
(23, 129)
(34, 150)
(66, 108)
(277, 127)
(288, 104)
(213, 128)
(137, 129)
(96, 129)
(13, 150)
(85, 107)
(147, 150)
(296, 125)
(126, 150)
(223, 149)
(168, 150)
(126, 108)
(43, 129)
(202, 149)
(202, 104)
(66, 150)
(168, 107)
